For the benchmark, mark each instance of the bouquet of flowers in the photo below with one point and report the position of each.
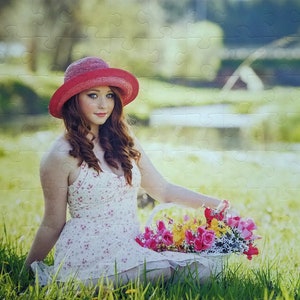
(218, 232)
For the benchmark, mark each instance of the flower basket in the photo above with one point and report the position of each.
(209, 236)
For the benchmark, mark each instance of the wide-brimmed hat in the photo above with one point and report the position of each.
(90, 72)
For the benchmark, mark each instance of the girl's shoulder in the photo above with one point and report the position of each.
(58, 154)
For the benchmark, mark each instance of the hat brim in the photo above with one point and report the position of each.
(126, 82)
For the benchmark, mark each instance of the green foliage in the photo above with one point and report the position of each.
(289, 129)
(281, 129)
(16, 97)
(280, 117)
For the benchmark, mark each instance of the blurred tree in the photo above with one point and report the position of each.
(176, 10)
(141, 34)
(191, 9)
(63, 28)
(48, 28)
(135, 35)
(5, 3)
(191, 52)
(4, 6)
(127, 34)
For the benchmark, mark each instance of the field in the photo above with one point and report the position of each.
(260, 184)
(261, 181)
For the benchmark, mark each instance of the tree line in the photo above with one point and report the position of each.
(153, 38)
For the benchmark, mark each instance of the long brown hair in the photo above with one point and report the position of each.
(114, 137)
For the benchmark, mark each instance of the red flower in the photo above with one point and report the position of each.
(209, 215)
(218, 213)
(251, 251)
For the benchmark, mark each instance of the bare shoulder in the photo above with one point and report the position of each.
(58, 157)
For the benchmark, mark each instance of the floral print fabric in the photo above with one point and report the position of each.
(99, 238)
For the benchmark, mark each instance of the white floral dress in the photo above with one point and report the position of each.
(99, 238)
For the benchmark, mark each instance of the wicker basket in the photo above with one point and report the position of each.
(208, 265)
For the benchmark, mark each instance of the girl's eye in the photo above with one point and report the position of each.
(93, 96)
(110, 95)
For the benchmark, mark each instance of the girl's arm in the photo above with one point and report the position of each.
(54, 172)
(164, 191)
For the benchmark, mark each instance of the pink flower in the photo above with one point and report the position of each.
(186, 218)
(208, 238)
(148, 233)
(200, 230)
(139, 241)
(189, 237)
(161, 225)
(164, 235)
(233, 221)
(151, 244)
(198, 245)
(167, 238)
(248, 226)
(205, 239)
(244, 226)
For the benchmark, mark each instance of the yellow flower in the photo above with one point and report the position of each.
(179, 228)
(218, 227)
(178, 234)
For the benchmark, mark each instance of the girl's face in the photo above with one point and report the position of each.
(96, 104)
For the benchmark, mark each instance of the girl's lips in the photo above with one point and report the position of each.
(101, 115)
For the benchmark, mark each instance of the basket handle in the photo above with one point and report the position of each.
(159, 208)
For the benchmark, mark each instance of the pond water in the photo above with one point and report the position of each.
(208, 116)
(224, 128)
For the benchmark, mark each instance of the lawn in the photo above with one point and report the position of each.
(260, 184)
(260, 181)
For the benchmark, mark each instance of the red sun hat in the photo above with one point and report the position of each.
(90, 72)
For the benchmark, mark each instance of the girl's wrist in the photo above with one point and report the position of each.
(215, 203)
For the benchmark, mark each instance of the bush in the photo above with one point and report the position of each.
(289, 129)
(17, 97)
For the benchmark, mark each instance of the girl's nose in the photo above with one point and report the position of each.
(102, 102)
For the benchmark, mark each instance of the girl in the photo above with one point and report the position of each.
(95, 169)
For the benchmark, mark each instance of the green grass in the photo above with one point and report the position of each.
(261, 184)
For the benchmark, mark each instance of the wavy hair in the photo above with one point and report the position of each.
(114, 137)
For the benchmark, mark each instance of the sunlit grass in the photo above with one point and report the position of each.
(260, 184)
